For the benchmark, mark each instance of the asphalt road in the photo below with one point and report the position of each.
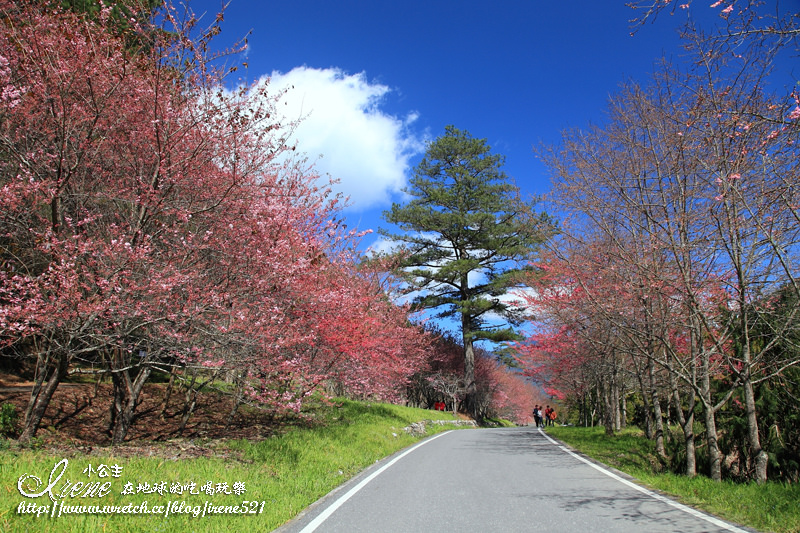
(496, 480)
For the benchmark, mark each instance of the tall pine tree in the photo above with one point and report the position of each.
(465, 234)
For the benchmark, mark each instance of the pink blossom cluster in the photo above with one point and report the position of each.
(153, 222)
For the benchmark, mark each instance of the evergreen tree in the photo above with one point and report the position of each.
(466, 233)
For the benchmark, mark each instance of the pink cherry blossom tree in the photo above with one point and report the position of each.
(150, 222)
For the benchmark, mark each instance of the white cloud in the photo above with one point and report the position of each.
(384, 246)
(343, 125)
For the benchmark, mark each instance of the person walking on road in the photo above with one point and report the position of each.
(537, 415)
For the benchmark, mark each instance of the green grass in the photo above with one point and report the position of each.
(770, 507)
(286, 472)
(498, 423)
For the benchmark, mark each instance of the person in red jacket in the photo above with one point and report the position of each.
(549, 416)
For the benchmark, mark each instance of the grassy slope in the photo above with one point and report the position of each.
(770, 507)
(286, 472)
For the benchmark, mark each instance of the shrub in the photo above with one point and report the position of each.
(8, 419)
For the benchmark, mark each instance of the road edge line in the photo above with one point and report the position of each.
(694, 512)
(324, 515)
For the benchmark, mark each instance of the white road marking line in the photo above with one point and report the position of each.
(694, 512)
(324, 515)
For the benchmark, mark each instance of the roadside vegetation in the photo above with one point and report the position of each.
(330, 443)
(669, 298)
(771, 506)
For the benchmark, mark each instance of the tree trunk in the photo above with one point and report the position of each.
(126, 394)
(190, 402)
(670, 420)
(759, 456)
(657, 415)
(686, 423)
(188, 409)
(608, 417)
(238, 396)
(167, 393)
(649, 431)
(126, 399)
(691, 455)
(616, 404)
(584, 420)
(714, 460)
(470, 401)
(42, 393)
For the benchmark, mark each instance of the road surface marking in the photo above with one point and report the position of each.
(314, 524)
(694, 512)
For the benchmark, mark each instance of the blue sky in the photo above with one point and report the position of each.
(375, 79)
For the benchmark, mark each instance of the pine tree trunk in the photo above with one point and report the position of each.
(470, 400)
